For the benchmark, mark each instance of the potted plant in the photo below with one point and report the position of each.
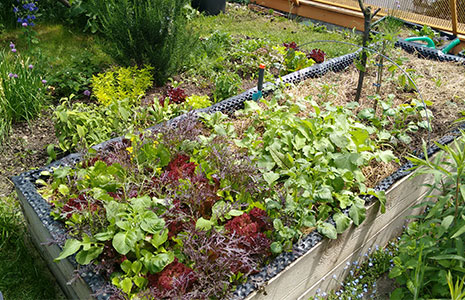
(210, 7)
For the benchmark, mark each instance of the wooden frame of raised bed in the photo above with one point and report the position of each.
(64, 270)
(314, 270)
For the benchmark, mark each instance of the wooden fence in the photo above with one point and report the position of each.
(447, 15)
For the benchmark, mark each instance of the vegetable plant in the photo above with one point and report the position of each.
(205, 203)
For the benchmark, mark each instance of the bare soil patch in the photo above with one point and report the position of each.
(25, 149)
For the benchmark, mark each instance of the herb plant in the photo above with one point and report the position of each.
(122, 83)
(23, 90)
(156, 30)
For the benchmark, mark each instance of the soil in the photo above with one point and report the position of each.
(384, 287)
(25, 149)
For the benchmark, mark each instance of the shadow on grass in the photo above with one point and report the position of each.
(23, 274)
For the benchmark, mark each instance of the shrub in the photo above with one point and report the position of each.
(7, 18)
(22, 90)
(121, 83)
(73, 76)
(150, 32)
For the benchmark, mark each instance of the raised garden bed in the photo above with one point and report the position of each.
(291, 268)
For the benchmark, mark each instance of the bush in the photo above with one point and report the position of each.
(7, 17)
(130, 83)
(74, 75)
(152, 32)
(22, 90)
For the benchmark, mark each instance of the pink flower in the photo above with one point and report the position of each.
(44, 81)
(31, 67)
(13, 50)
(24, 24)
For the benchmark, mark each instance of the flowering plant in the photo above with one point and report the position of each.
(22, 91)
(26, 12)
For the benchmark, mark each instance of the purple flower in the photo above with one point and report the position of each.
(10, 75)
(44, 81)
(31, 67)
(31, 24)
(24, 24)
(86, 93)
(12, 46)
(13, 50)
(15, 10)
(15, 75)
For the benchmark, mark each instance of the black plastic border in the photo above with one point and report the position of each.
(426, 52)
(420, 49)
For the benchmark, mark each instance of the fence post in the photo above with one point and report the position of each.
(453, 10)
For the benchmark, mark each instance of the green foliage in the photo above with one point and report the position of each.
(426, 31)
(314, 164)
(456, 291)
(152, 32)
(74, 75)
(196, 102)
(84, 125)
(433, 244)
(395, 123)
(127, 226)
(243, 23)
(22, 92)
(122, 83)
(293, 60)
(226, 85)
(23, 274)
(81, 125)
(7, 17)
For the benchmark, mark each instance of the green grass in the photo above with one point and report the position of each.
(23, 274)
(58, 43)
(241, 22)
